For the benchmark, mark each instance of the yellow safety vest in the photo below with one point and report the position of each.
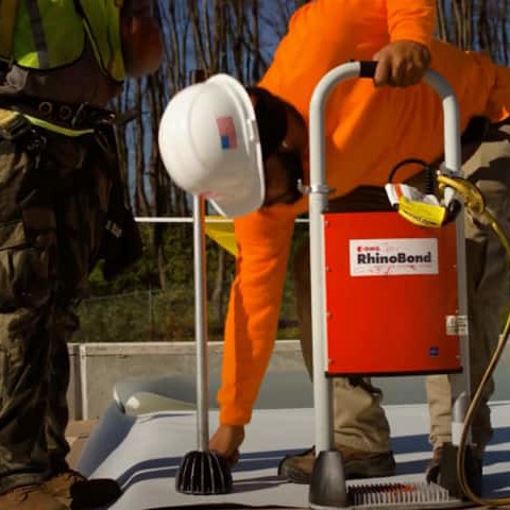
(48, 34)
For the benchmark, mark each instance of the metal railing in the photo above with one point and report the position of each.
(154, 315)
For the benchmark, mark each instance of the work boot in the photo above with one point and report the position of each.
(357, 464)
(434, 465)
(74, 490)
(29, 497)
(433, 468)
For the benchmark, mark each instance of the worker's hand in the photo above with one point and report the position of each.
(401, 63)
(226, 442)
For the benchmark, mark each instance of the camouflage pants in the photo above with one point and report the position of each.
(52, 216)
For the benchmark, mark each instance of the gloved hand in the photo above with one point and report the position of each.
(401, 63)
(226, 442)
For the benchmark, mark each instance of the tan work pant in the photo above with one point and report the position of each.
(489, 169)
(359, 419)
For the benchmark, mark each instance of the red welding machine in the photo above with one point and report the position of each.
(391, 296)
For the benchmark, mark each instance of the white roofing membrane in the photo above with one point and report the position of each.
(144, 452)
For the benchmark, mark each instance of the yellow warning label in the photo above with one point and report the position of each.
(421, 213)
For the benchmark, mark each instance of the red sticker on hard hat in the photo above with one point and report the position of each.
(227, 130)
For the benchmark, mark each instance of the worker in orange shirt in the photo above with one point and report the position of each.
(369, 128)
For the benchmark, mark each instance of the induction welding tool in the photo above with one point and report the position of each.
(408, 271)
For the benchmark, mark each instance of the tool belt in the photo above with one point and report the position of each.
(121, 245)
(69, 116)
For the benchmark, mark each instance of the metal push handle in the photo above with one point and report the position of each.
(318, 200)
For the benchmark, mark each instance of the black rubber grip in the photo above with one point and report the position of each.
(367, 68)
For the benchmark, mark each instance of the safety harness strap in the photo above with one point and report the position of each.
(38, 35)
(8, 13)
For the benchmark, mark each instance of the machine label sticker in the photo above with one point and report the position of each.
(457, 325)
(393, 257)
(228, 134)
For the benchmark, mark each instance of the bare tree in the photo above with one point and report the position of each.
(476, 25)
(213, 36)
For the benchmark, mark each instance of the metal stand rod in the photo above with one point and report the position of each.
(202, 472)
(460, 383)
(199, 260)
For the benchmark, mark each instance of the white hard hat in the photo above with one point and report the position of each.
(209, 143)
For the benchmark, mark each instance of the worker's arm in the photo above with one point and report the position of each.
(264, 240)
(142, 46)
(411, 20)
(404, 61)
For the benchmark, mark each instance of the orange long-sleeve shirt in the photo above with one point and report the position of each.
(368, 130)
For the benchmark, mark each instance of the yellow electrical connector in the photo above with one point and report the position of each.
(475, 203)
(421, 213)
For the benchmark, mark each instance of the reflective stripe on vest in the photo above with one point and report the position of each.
(51, 34)
(39, 39)
(73, 133)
